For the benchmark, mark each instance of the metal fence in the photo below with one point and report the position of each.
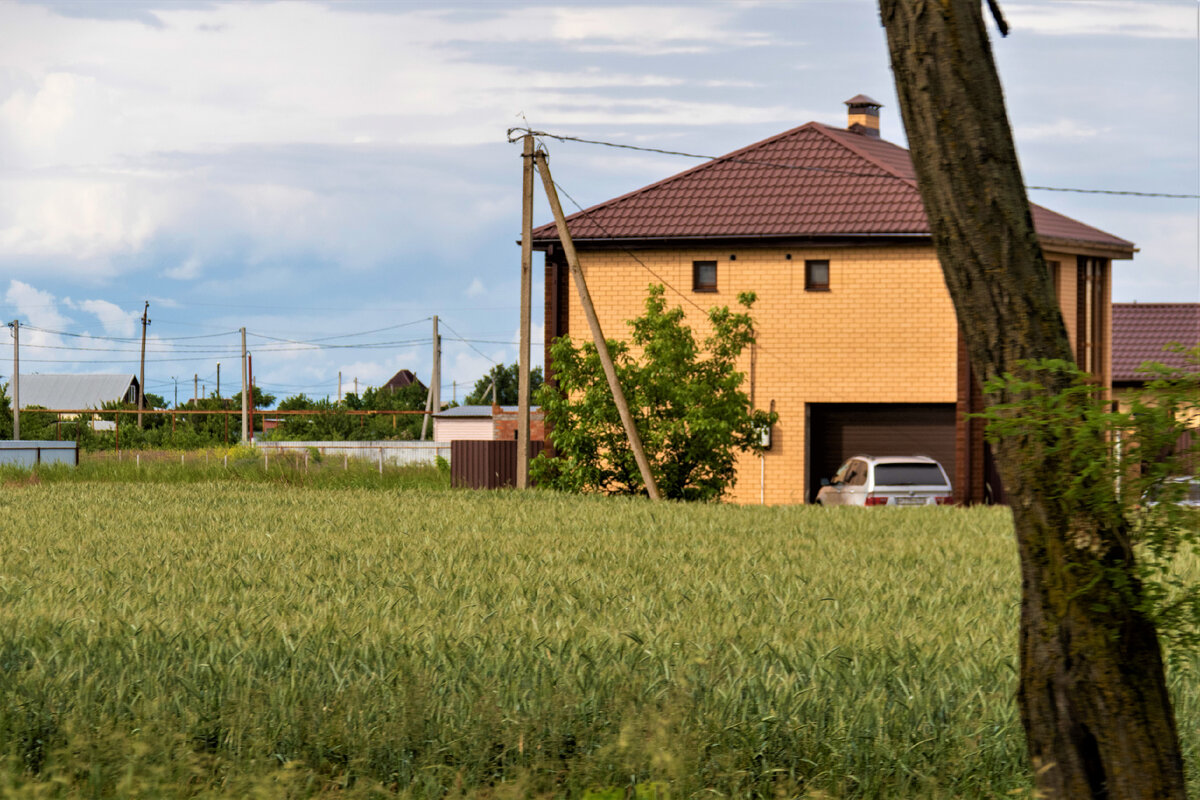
(486, 464)
(396, 453)
(30, 453)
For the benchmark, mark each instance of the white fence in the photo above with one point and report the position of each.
(398, 453)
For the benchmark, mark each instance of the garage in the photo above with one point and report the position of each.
(837, 431)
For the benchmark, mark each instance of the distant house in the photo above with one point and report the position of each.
(484, 423)
(1142, 331)
(75, 392)
(402, 379)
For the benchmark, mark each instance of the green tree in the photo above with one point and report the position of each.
(261, 399)
(506, 378)
(687, 402)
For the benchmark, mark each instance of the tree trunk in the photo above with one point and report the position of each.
(1092, 690)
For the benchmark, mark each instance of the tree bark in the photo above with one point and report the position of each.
(1092, 690)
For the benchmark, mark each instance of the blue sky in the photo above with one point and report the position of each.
(337, 173)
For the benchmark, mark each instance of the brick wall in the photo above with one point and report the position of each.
(884, 332)
(504, 425)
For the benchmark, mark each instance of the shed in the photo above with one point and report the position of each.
(76, 391)
(483, 423)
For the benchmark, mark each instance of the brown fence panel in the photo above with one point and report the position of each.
(486, 464)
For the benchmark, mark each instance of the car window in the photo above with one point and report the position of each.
(840, 475)
(909, 475)
(858, 473)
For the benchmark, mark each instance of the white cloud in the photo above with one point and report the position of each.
(1139, 19)
(189, 270)
(1059, 130)
(115, 320)
(476, 289)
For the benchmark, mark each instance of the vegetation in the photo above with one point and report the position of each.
(687, 403)
(221, 640)
(506, 379)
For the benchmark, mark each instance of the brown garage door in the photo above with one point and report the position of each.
(837, 431)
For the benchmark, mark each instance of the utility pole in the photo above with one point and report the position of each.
(425, 419)
(218, 380)
(176, 380)
(16, 379)
(339, 387)
(436, 387)
(196, 389)
(610, 372)
(142, 368)
(245, 392)
(250, 369)
(526, 302)
(356, 387)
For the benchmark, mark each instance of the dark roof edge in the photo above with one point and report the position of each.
(1073, 246)
(843, 239)
(1086, 248)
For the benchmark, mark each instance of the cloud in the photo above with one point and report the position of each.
(115, 320)
(476, 289)
(189, 270)
(1059, 130)
(1100, 18)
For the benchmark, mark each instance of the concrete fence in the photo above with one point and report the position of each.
(397, 453)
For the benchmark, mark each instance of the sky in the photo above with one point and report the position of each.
(331, 175)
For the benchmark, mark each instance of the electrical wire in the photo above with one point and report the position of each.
(829, 170)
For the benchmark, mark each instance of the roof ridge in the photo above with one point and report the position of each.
(711, 162)
(829, 131)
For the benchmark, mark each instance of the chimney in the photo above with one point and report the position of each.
(863, 115)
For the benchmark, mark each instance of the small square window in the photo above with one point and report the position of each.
(816, 276)
(704, 276)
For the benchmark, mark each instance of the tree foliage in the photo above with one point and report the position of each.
(506, 378)
(687, 402)
(1120, 466)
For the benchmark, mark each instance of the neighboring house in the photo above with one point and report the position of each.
(402, 379)
(484, 423)
(1141, 333)
(76, 392)
(858, 348)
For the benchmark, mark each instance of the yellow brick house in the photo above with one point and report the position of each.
(858, 350)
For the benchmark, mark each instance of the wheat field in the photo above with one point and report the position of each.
(236, 640)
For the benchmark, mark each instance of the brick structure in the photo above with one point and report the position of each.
(858, 344)
(504, 424)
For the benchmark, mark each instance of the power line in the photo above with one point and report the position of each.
(828, 170)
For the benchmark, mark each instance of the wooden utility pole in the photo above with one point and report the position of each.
(436, 385)
(16, 379)
(219, 381)
(610, 371)
(428, 405)
(142, 368)
(339, 387)
(245, 392)
(526, 302)
(196, 389)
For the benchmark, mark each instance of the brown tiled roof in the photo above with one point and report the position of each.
(1140, 331)
(814, 180)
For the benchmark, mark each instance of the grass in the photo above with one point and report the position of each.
(229, 638)
(232, 465)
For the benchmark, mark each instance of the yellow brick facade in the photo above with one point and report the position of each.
(884, 332)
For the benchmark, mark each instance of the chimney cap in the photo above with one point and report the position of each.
(863, 100)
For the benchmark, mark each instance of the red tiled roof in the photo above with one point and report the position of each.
(814, 180)
(1140, 331)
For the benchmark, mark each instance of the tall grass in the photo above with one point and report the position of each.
(219, 640)
(233, 465)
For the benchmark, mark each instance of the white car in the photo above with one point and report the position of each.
(887, 481)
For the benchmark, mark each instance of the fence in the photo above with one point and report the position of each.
(398, 453)
(486, 464)
(31, 453)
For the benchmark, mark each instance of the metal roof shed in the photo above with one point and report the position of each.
(76, 391)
